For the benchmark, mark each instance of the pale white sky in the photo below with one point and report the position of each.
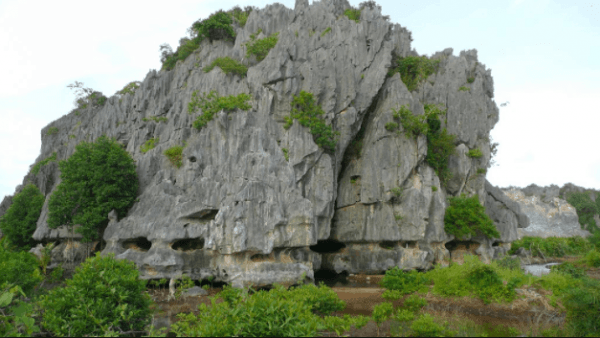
(544, 56)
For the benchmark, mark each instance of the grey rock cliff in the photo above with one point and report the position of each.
(238, 210)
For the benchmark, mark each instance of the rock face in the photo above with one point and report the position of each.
(550, 215)
(240, 211)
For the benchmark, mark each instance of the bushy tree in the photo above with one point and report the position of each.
(18, 268)
(96, 179)
(104, 297)
(19, 222)
(465, 216)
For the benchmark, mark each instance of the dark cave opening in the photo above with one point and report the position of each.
(138, 244)
(388, 245)
(331, 278)
(461, 245)
(188, 244)
(205, 215)
(327, 246)
(408, 244)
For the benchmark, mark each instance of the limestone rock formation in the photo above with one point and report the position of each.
(550, 215)
(239, 210)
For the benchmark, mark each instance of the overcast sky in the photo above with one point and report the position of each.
(544, 56)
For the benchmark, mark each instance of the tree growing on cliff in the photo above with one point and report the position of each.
(96, 179)
(19, 222)
(86, 97)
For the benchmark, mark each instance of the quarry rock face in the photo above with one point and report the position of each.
(550, 215)
(239, 210)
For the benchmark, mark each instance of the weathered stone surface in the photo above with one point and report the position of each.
(556, 218)
(237, 209)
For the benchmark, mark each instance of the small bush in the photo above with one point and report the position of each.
(36, 168)
(52, 131)
(130, 88)
(212, 103)
(481, 171)
(583, 308)
(353, 14)
(327, 30)
(18, 268)
(414, 70)
(260, 48)
(592, 258)
(471, 80)
(96, 179)
(216, 27)
(464, 89)
(569, 269)
(174, 156)
(404, 282)
(381, 313)
(475, 153)
(239, 15)
(413, 125)
(148, 145)
(278, 312)
(585, 208)
(552, 246)
(307, 112)
(424, 326)
(104, 295)
(391, 126)
(434, 188)
(510, 263)
(414, 303)
(228, 66)
(19, 222)
(440, 146)
(286, 154)
(465, 216)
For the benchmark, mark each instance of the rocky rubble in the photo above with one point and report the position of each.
(239, 210)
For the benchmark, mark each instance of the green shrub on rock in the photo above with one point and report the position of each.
(466, 217)
(414, 70)
(552, 246)
(261, 47)
(19, 222)
(307, 112)
(104, 297)
(353, 14)
(97, 178)
(228, 66)
(212, 103)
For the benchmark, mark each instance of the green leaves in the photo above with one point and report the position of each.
(475, 153)
(148, 145)
(353, 14)
(260, 48)
(307, 112)
(215, 27)
(103, 293)
(174, 154)
(19, 222)
(465, 216)
(413, 70)
(96, 179)
(228, 66)
(212, 103)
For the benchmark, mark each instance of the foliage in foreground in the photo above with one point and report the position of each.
(276, 313)
(96, 179)
(212, 103)
(19, 222)
(105, 296)
(466, 217)
(307, 112)
(18, 268)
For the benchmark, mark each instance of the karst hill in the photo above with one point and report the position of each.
(292, 141)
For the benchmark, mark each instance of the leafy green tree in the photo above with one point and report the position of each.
(96, 179)
(465, 216)
(105, 297)
(19, 222)
(216, 27)
(18, 268)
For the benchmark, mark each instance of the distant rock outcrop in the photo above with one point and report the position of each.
(254, 203)
(550, 215)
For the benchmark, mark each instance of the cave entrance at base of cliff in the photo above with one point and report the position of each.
(469, 246)
(188, 244)
(137, 244)
(327, 246)
(331, 278)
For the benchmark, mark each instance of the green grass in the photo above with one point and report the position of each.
(130, 88)
(36, 168)
(391, 126)
(327, 30)
(212, 103)
(150, 144)
(286, 154)
(308, 113)
(228, 66)
(481, 171)
(464, 89)
(471, 80)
